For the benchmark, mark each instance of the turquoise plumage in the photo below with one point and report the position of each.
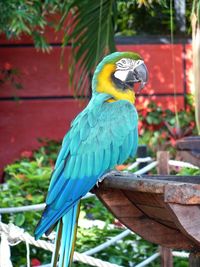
(103, 135)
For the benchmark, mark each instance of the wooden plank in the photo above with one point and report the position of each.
(189, 143)
(187, 219)
(183, 194)
(150, 199)
(163, 168)
(194, 259)
(156, 212)
(151, 204)
(148, 184)
(166, 257)
(116, 201)
(174, 178)
(163, 159)
(24, 121)
(40, 73)
(132, 183)
(166, 223)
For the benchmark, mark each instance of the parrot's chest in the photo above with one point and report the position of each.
(119, 112)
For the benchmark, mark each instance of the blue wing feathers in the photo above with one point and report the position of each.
(64, 150)
(91, 119)
(56, 173)
(75, 143)
(135, 143)
(70, 166)
(106, 160)
(124, 148)
(98, 161)
(76, 169)
(83, 165)
(84, 130)
(114, 155)
(90, 164)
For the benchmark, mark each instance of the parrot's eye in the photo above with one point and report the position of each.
(124, 64)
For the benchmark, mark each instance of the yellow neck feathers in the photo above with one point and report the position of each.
(105, 85)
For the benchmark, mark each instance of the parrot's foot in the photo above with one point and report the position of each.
(121, 173)
(136, 176)
(118, 173)
(108, 174)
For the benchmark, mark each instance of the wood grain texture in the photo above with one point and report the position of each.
(189, 143)
(137, 221)
(143, 198)
(149, 184)
(185, 193)
(143, 205)
(163, 166)
(166, 257)
(194, 259)
(187, 219)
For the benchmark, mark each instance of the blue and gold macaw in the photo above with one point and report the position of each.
(103, 135)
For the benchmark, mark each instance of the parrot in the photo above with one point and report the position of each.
(102, 136)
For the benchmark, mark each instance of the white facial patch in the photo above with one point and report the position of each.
(124, 65)
(121, 75)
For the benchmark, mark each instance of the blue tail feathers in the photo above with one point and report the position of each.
(65, 239)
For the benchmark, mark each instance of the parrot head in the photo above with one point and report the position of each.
(117, 73)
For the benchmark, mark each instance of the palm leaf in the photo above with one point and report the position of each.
(91, 35)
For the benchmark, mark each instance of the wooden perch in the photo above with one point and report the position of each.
(163, 209)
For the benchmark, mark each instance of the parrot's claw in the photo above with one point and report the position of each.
(108, 174)
(136, 176)
(117, 173)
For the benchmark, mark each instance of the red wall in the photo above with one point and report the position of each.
(47, 105)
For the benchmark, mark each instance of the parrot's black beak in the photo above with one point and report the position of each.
(138, 74)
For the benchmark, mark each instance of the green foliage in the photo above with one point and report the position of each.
(27, 17)
(27, 182)
(188, 171)
(11, 76)
(27, 185)
(159, 129)
(132, 20)
(92, 35)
